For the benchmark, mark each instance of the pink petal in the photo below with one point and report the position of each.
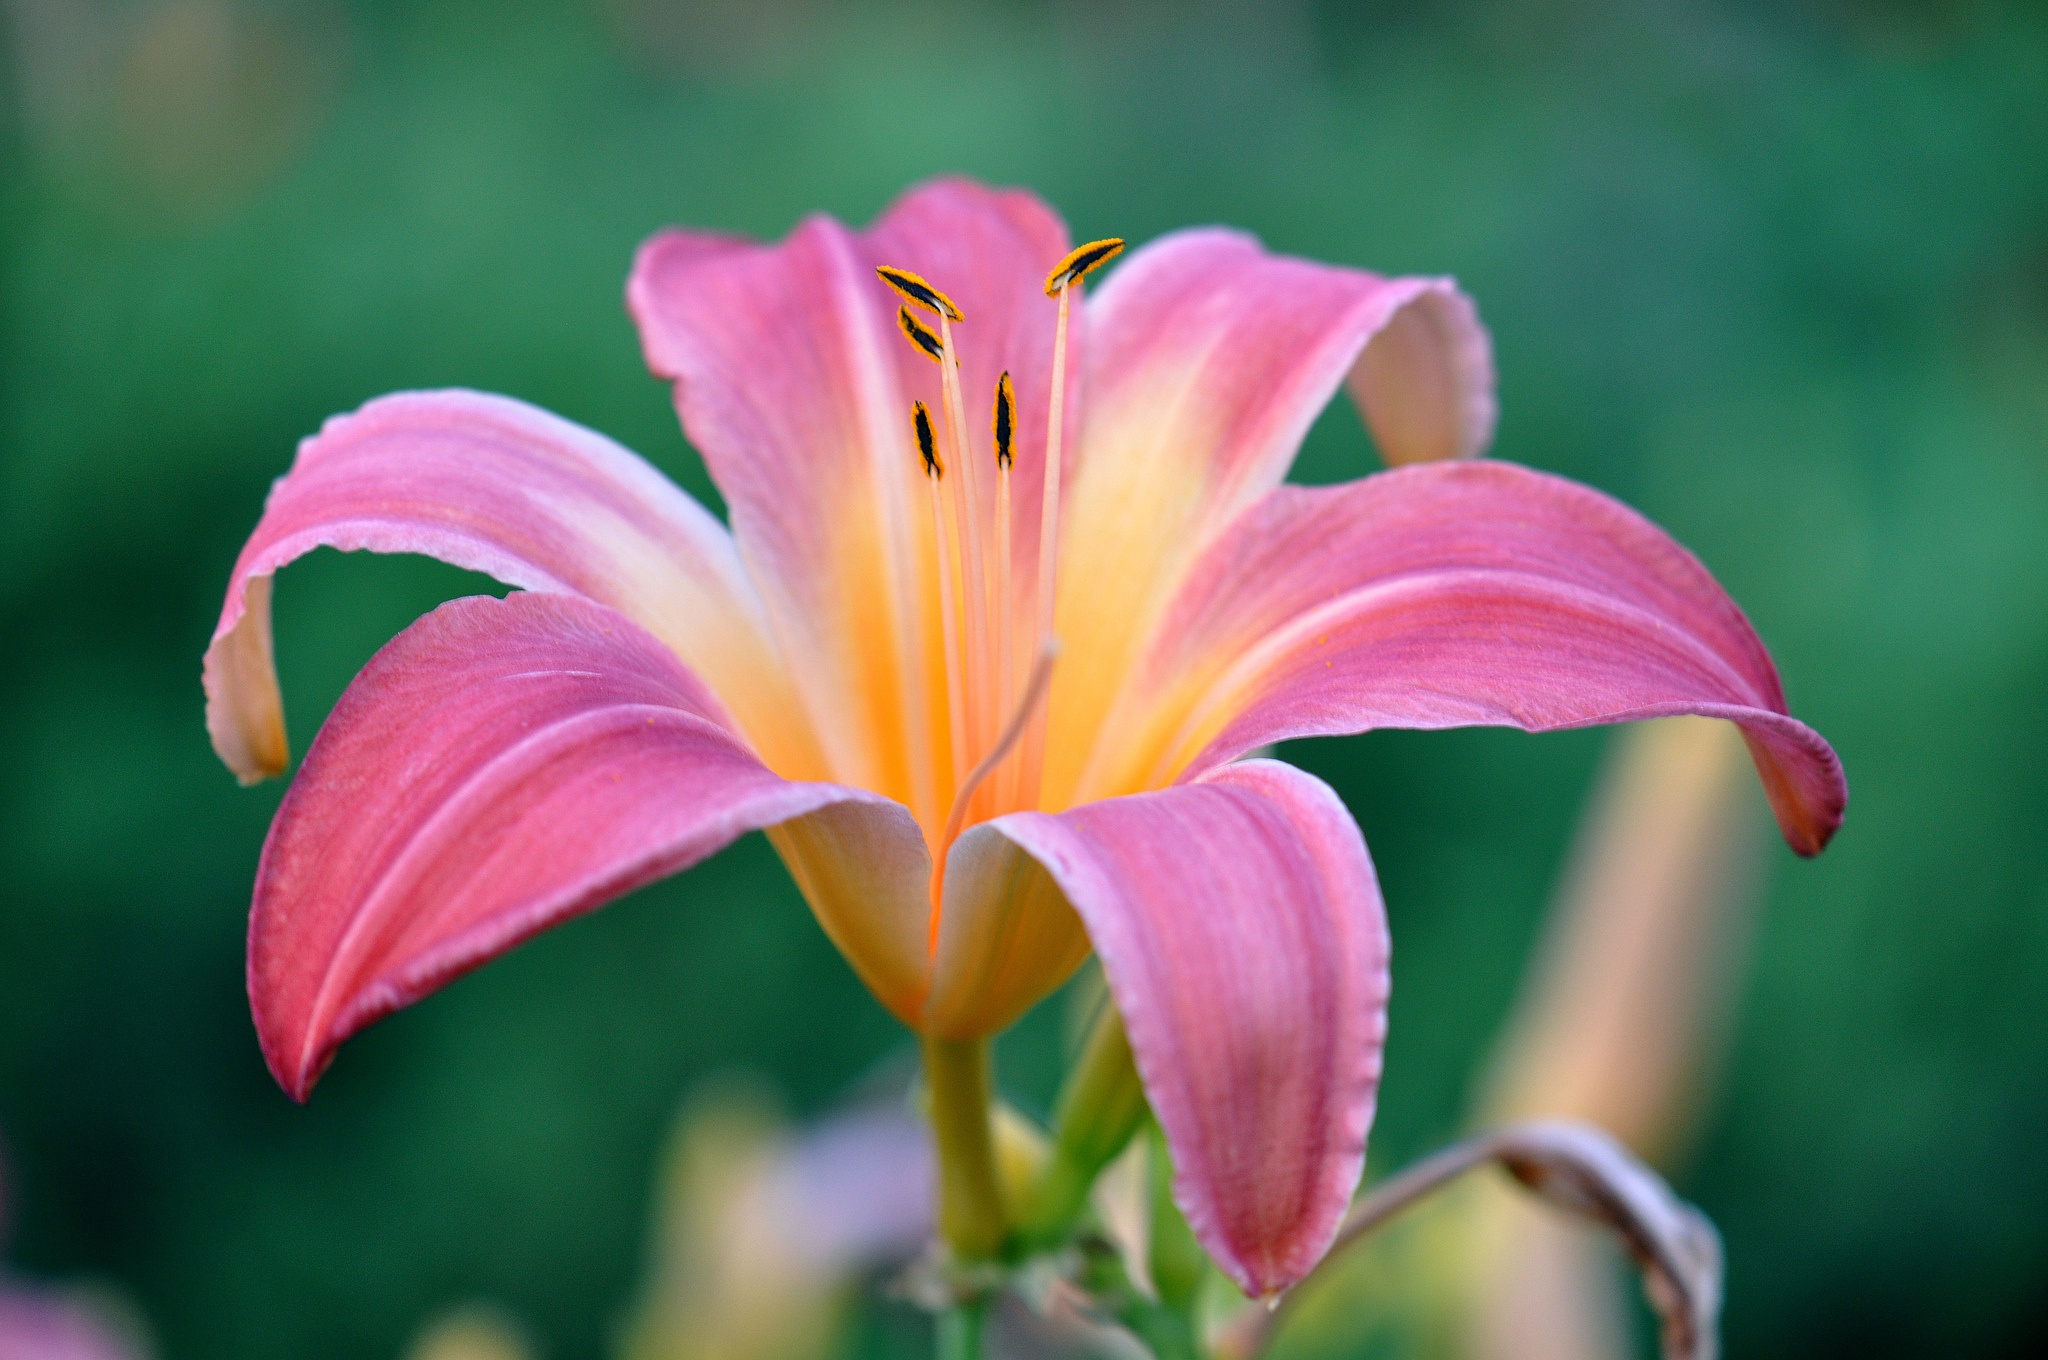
(502, 766)
(1456, 595)
(793, 382)
(1007, 939)
(785, 385)
(501, 487)
(1240, 928)
(1210, 359)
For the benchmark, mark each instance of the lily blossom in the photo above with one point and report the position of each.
(986, 689)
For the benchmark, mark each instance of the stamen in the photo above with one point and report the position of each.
(922, 293)
(927, 445)
(1080, 261)
(945, 540)
(1004, 420)
(1061, 283)
(970, 500)
(919, 334)
(1027, 707)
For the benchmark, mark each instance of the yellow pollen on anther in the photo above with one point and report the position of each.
(920, 335)
(927, 443)
(1005, 420)
(1080, 261)
(920, 292)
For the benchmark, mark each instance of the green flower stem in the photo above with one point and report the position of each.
(970, 1196)
(1100, 1107)
(960, 1331)
(1177, 1261)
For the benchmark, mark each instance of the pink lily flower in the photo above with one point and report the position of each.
(863, 665)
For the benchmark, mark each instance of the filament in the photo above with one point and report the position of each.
(967, 508)
(1003, 423)
(1031, 776)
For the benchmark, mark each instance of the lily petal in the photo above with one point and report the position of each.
(1211, 359)
(792, 382)
(498, 486)
(1240, 928)
(1007, 939)
(1456, 595)
(785, 385)
(500, 767)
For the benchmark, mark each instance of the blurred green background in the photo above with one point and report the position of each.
(1776, 273)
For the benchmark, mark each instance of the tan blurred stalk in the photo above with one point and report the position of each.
(472, 1332)
(1619, 1021)
(1617, 1025)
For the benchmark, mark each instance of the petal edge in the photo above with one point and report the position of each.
(1239, 925)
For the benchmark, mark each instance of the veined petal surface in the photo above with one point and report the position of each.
(500, 767)
(1240, 928)
(1453, 595)
(501, 487)
(1209, 360)
(785, 384)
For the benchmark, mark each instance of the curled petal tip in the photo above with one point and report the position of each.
(244, 712)
(1808, 792)
(1425, 381)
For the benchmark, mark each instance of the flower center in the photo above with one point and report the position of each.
(996, 725)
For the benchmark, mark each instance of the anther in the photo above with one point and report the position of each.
(919, 334)
(927, 444)
(1080, 261)
(920, 292)
(1005, 420)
